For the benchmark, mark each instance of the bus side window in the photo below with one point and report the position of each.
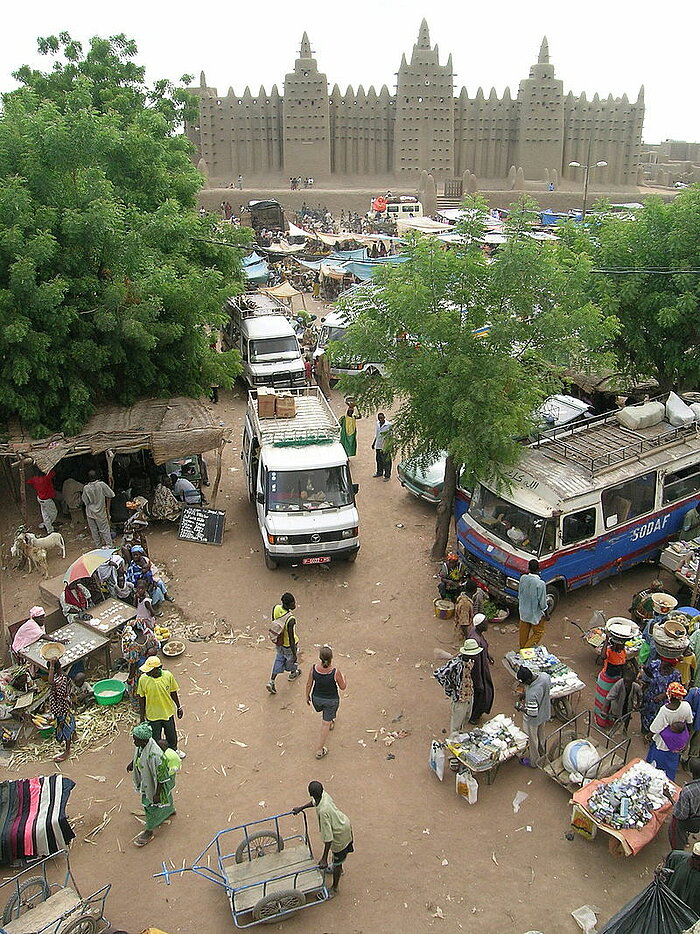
(629, 499)
(681, 483)
(578, 526)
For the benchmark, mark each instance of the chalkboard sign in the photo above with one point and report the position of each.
(202, 525)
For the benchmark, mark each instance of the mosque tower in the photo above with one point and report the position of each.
(424, 126)
(306, 120)
(541, 119)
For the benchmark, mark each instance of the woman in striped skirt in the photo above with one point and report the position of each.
(610, 673)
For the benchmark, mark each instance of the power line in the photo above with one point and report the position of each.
(645, 271)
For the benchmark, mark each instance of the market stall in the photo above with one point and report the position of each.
(566, 684)
(485, 748)
(630, 806)
(82, 641)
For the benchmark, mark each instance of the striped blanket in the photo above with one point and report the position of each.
(33, 818)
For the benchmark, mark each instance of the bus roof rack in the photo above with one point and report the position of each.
(602, 443)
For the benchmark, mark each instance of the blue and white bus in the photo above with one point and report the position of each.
(587, 502)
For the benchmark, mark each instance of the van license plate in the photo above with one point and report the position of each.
(324, 559)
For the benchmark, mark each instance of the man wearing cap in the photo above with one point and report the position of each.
(684, 875)
(457, 680)
(685, 817)
(536, 708)
(158, 701)
(532, 606)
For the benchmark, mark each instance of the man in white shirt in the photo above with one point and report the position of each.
(185, 490)
(381, 445)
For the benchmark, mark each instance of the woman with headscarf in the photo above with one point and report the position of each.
(138, 642)
(615, 656)
(151, 775)
(670, 731)
(33, 631)
(481, 672)
(655, 678)
(60, 707)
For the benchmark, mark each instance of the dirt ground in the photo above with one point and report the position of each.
(419, 848)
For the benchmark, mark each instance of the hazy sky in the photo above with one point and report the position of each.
(609, 46)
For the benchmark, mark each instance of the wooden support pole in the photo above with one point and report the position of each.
(23, 492)
(219, 458)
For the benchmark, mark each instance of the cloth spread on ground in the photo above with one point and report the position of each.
(632, 839)
(33, 818)
(333, 825)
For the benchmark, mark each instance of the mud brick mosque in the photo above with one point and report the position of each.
(424, 125)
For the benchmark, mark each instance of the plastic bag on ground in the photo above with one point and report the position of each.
(467, 786)
(656, 909)
(436, 761)
(585, 917)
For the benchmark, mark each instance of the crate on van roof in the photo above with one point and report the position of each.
(603, 443)
(314, 422)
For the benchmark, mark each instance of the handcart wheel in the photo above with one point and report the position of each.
(562, 709)
(85, 925)
(259, 844)
(31, 893)
(269, 907)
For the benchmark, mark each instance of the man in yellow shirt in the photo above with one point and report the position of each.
(283, 627)
(158, 701)
(335, 829)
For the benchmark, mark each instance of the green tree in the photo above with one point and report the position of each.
(659, 334)
(109, 278)
(469, 347)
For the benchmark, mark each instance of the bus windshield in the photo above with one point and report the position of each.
(309, 490)
(330, 333)
(510, 523)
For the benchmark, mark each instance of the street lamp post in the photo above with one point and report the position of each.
(587, 169)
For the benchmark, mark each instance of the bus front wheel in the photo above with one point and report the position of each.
(553, 597)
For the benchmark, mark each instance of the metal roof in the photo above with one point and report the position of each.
(575, 461)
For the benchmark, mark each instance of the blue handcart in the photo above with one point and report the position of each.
(266, 867)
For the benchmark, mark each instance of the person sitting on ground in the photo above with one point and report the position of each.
(112, 575)
(83, 692)
(166, 507)
(75, 599)
(142, 568)
(453, 577)
(185, 491)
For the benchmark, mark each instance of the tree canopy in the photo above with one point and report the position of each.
(109, 278)
(469, 346)
(659, 332)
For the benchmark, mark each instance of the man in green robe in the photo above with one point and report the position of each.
(685, 879)
(348, 430)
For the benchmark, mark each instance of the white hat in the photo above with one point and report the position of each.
(696, 849)
(470, 647)
(479, 618)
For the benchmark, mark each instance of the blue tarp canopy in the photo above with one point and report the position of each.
(310, 264)
(251, 259)
(258, 272)
(357, 255)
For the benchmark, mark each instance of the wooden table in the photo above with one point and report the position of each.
(82, 641)
(109, 616)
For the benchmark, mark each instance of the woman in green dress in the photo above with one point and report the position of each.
(152, 780)
(348, 430)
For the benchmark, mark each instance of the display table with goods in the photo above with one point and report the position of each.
(82, 640)
(486, 747)
(566, 684)
(109, 616)
(630, 806)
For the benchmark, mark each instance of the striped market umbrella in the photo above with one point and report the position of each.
(87, 564)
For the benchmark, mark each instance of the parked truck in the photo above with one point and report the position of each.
(298, 478)
(260, 328)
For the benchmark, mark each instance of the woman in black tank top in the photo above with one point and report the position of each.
(322, 691)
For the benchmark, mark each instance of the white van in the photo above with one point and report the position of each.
(298, 476)
(261, 330)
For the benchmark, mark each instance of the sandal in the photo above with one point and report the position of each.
(332, 726)
(322, 753)
(143, 839)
